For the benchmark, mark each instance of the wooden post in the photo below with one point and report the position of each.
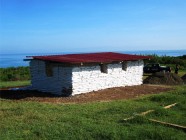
(149, 111)
(169, 124)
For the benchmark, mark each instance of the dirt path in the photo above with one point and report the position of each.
(102, 95)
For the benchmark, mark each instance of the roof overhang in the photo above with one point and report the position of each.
(93, 58)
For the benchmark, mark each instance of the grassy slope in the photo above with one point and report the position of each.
(13, 84)
(181, 73)
(31, 120)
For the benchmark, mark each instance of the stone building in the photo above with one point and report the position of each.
(73, 74)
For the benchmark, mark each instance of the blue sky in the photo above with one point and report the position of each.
(49, 26)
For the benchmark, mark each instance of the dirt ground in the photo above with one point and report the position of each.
(162, 78)
(98, 96)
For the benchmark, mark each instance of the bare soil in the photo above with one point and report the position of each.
(166, 78)
(105, 95)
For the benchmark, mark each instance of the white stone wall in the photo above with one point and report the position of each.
(84, 79)
(61, 79)
(87, 79)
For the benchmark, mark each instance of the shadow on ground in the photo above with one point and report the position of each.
(21, 94)
(118, 93)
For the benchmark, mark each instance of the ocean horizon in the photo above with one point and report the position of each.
(16, 60)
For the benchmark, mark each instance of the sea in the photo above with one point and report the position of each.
(15, 60)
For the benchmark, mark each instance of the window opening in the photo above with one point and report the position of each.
(48, 69)
(103, 68)
(124, 66)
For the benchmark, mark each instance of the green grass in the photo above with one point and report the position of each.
(101, 120)
(13, 84)
(181, 73)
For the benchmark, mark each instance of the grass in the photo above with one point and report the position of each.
(101, 120)
(182, 72)
(13, 84)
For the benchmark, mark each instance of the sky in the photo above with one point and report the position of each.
(49, 26)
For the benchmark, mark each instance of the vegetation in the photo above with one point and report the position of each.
(101, 120)
(14, 84)
(169, 61)
(14, 74)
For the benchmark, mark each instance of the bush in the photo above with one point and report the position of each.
(14, 74)
(168, 60)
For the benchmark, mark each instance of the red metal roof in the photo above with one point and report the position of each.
(105, 57)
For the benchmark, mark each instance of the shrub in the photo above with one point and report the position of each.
(14, 74)
(168, 60)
